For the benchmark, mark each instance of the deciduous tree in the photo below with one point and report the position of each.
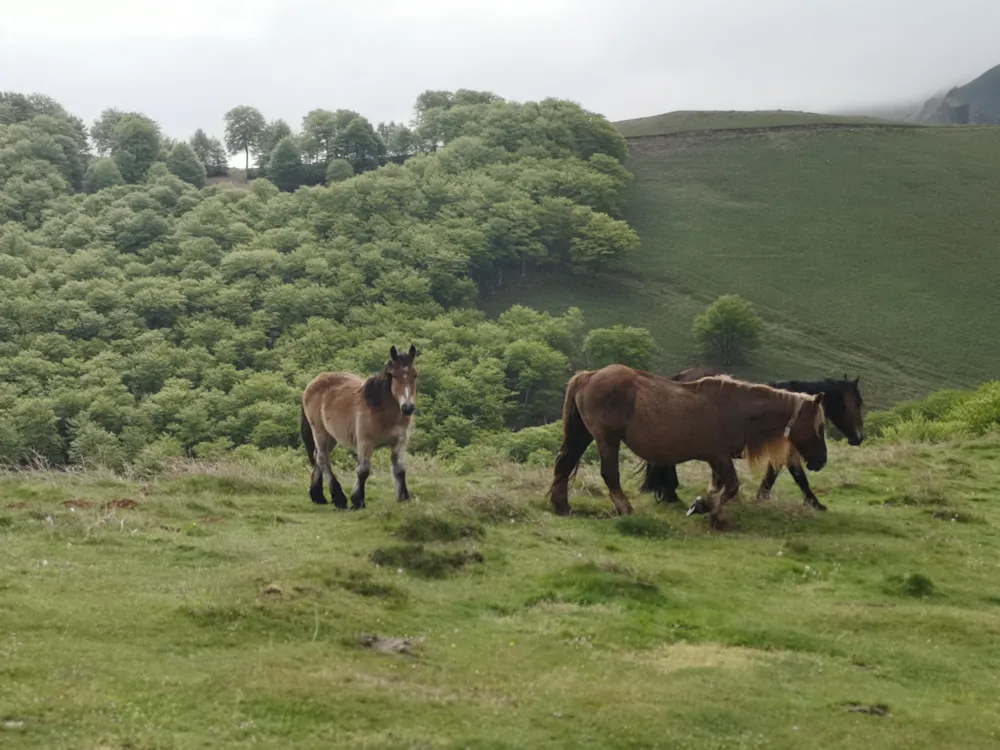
(244, 130)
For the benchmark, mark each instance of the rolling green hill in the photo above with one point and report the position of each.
(868, 250)
(695, 120)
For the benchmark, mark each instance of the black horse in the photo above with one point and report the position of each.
(842, 403)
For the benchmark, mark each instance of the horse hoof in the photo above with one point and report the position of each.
(699, 506)
(358, 507)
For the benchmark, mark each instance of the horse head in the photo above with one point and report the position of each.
(402, 374)
(807, 433)
(845, 411)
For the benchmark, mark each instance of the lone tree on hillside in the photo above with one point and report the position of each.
(728, 329)
(244, 128)
(619, 344)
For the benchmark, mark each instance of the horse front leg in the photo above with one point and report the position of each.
(608, 450)
(364, 471)
(799, 475)
(399, 472)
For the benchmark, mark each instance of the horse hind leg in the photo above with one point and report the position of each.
(324, 446)
(767, 483)
(611, 476)
(316, 486)
(576, 440)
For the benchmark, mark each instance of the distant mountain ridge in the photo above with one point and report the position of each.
(975, 103)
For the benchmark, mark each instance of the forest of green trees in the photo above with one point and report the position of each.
(145, 316)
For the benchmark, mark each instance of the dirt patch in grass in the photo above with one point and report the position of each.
(677, 656)
(77, 503)
(124, 503)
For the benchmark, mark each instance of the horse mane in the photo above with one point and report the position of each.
(829, 386)
(374, 389)
(774, 450)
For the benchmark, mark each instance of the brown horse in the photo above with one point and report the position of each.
(341, 408)
(842, 404)
(666, 422)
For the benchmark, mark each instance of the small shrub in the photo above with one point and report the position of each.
(910, 584)
(156, 457)
(981, 411)
(919, 429)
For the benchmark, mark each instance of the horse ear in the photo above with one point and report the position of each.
(858, 378)
(818, 399)
(413, 352)
(393, 354)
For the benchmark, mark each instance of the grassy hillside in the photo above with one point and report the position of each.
(869, 251)
(684, 121)
(221, 607)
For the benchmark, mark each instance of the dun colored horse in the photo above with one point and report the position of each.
(341, 408)
(666, 422)
(842, 403)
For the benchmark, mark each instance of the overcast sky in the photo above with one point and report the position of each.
(185, 62)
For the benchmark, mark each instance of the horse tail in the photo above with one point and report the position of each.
(576, 439)
(307, 437)
(658, 479)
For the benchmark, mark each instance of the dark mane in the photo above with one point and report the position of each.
(828, 386)
(375, 389)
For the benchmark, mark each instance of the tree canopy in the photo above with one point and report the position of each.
(728, 329)
(143, 316)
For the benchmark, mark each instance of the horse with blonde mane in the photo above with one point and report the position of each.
(668, 422)
(341, 408)
(842, 404)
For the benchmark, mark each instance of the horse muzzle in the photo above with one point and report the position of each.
(856, 439)
(816, 464)
(408, 408)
